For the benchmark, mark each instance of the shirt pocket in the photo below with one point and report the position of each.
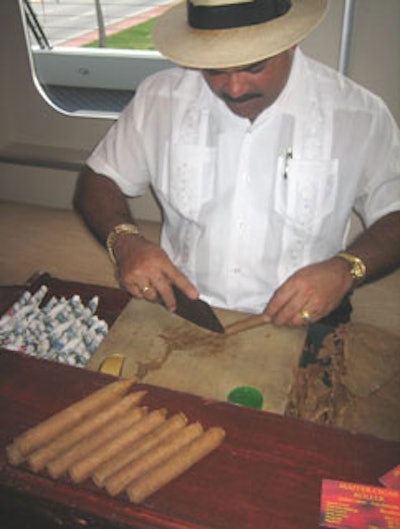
(187, 178)
(306, 192)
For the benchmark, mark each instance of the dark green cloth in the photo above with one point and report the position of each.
(319, 330)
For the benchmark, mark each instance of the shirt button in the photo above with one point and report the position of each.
(236, 270)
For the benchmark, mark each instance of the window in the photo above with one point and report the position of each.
(90, 55)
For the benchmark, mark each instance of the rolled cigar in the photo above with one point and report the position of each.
(14, 455)
(82, 462)
(64, 460)
(137, 448)
(117, 482)
(38, 459)
(176, 465)
(59, 422)
(100, 437)
(250, 322)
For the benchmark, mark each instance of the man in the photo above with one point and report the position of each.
(257, 155)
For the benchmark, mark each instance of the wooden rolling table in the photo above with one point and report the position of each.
(267, 472)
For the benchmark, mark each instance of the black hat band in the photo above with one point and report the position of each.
(236, 15)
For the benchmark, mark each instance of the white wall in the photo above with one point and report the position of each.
(375, 53)
(30, 126)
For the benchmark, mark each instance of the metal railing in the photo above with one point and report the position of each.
(35, 26)
(64, 22)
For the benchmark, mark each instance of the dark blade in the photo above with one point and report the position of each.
(197, 311)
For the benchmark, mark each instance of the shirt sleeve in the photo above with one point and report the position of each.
(380, 185)
(120, 155)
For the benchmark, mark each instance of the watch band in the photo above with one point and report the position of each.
(119, 229)
(358, 270)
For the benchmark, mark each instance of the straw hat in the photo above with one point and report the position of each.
(230, 33)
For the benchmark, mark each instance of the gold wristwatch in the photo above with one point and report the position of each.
(119, 229)
(358, 270)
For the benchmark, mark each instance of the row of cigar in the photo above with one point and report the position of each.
(113, 440)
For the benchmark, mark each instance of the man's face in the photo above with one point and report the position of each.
(248, 90)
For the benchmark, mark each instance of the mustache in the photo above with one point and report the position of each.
(241, 99)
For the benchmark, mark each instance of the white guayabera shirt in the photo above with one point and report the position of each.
(247, 204)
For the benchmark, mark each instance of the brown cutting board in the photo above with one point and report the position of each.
(163, 349)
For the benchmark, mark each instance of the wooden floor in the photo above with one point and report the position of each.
(37, 239)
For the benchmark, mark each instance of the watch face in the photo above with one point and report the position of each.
(357, 270)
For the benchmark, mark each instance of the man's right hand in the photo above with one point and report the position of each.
(146, 272)
(143, 268)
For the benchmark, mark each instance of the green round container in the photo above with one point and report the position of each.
(246, 396)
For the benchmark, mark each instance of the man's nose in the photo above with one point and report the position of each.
(235, 85)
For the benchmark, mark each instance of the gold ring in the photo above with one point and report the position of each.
(306, 315)
(145, 289)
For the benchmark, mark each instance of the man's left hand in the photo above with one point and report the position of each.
(309, 294)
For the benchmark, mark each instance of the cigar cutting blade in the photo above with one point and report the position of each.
(197, 311)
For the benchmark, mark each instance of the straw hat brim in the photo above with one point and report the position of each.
(228, 48)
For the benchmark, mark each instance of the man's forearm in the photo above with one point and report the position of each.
(379, 246)
(144, 269)
(101, 203)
